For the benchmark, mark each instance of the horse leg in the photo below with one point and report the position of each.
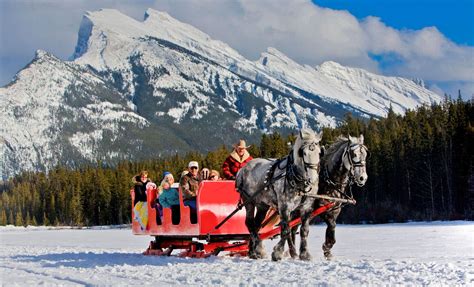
(330, 220)
(250, 223)
(292, 247)
(285, 235)
(304, 231)
(259, 217)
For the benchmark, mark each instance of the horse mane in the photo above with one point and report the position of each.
(306, 135)
(333, 153)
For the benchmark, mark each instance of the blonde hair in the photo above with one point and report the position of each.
(216, 173)
(161, 187)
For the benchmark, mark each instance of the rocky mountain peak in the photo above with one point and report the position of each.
(140, 89)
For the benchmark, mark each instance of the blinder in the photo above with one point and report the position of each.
(311, 146)
(300, 152)
(355, 164)
(351, 149)
(294, 177)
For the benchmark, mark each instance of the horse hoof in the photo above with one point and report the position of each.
(276, 256)
(328, 256)
(252, 255)
(260, 253)
(305, 256)
(293, 255)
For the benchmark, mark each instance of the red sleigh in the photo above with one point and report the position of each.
(215, 201)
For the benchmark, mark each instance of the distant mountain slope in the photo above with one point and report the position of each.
(139, 89)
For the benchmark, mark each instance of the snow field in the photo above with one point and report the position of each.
(435, 254)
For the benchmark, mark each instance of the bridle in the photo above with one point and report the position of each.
(308, 165)
(347, 153)
(293, 176)
(349, 149)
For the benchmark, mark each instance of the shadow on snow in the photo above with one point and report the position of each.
(92, 260)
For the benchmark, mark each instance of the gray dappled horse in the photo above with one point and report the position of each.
(342, 164)
(280, 184)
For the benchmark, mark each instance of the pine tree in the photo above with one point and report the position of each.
(18, 219)
(3, 218)
(45, 219)
(11, 219)
(28, 220)
(76, 207)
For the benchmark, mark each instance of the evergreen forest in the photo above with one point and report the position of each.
(420, 167)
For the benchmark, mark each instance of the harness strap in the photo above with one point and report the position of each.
(250, 198)
(343, 185)
(290, 176)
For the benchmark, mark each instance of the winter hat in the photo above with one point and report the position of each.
(166, 173)
(193, 164)
(241, 144)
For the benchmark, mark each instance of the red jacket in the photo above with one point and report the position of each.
(234, 163)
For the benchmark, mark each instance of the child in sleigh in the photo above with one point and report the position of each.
(168, 197)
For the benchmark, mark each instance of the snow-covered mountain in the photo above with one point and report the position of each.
(138, 89)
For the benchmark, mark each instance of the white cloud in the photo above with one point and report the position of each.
(310, 35)
(307, 33)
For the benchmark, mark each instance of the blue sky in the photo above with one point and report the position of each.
(432, 40)
(454, 18)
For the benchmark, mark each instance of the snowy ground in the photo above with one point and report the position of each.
(440, 253)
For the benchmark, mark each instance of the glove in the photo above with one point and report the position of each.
(150, 185)
(204, 173)
(232, 178)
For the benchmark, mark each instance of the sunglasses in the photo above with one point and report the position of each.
(193, 167)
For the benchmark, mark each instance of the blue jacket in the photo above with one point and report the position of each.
(169, 197)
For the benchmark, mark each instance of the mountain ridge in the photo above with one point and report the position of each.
(136, 89)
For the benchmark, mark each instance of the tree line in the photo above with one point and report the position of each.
(420, 167)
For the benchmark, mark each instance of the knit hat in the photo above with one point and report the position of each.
(166, 173)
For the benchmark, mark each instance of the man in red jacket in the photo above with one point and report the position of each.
(237, 159)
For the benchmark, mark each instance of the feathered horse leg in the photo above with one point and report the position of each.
(330, 219)
(285, 234)
(259, 217)
(304, 231)
(250, 223)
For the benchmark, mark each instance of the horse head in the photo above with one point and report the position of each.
(355, 159)
(306, 152)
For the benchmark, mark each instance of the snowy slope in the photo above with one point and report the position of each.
(64, 99)
(139, 89)
(434, 254)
